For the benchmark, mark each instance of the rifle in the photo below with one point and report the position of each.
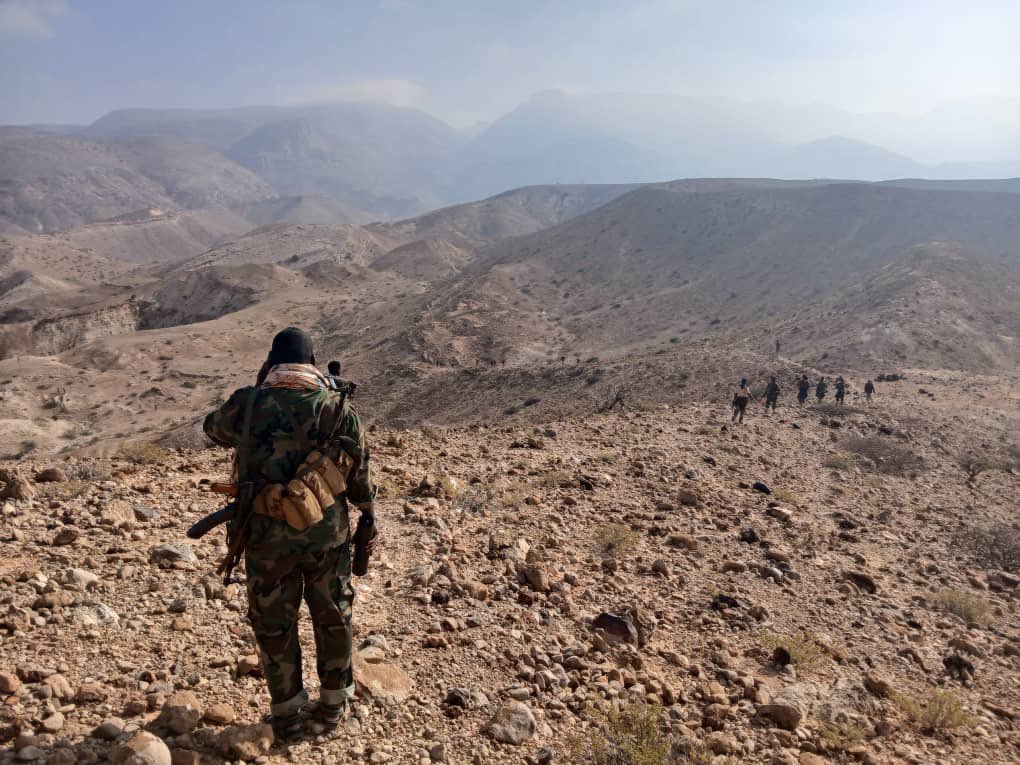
(237, 527)
(211, 521)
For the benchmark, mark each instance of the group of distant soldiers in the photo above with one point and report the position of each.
(743, 395)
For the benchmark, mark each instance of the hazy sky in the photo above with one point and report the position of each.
(469, 60)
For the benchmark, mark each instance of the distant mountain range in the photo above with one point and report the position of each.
(351, 162)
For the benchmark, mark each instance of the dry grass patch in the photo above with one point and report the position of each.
(995, 545)
(629, 736)
(786, 496)
(839, 462)
(885, 456)
(934, 710)
(616, 539)
(144, 453)
(970, 608)
(803, 650)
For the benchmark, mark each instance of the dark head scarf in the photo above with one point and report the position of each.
(291, 346)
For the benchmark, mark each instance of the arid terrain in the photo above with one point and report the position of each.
(583, 558)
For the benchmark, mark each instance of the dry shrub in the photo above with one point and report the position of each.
(839, 462)
(88, 470)
(835, 410)
(804, 650)
(885, 456)
(995, 545)
(616, 539)
(934, 710)
(970, 608)
(144, 453)
(628, 736)
(387, 488)
(786, 496)
(841, 735)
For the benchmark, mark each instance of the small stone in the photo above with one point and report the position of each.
(66, 535)
(877, 685)
(9, 683)
(247, 665)
(513, 723)
(109, 729)
(180, 713)
(53, 723)
(245, 742)
(220, 714)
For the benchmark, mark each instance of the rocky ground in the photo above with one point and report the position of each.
(805, 588)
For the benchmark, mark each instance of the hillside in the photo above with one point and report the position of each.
(936, 307)
(53, 182)
(657, 264)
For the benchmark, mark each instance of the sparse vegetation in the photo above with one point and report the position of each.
(144, 453)
(629, 736)
(841, 735)
(839, 462)
(970, 608)
(994, 545)
(88, 470)
(786, 496)
(616, 539)
(387, 489)
(935, 710)
(885, 456)
(803, 650)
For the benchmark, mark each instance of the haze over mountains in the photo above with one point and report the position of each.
(353, 162)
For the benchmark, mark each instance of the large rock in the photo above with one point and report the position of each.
(513, 723)
(142, 749)
(51, 475)
(245, 742)
(172, 552)
(381, 680)
(15, 485)
(617, 629)
(790, 706)
(180, 713)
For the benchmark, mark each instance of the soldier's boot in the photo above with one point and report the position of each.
(330, 715)
(287, 726)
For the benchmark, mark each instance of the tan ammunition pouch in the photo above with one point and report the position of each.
(303, 501)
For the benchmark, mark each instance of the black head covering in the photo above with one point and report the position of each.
(333, 367)
(291, 346)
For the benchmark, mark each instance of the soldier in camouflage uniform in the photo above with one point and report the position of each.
(294, 410)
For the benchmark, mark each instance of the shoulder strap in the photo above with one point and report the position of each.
(242, 451)
(303, 440)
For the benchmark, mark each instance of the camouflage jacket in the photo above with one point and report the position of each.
(275, 451)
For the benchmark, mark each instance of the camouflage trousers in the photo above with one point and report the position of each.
(277, 581)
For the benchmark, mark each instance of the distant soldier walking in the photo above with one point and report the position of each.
(300, 445)
(740, 399)
(803, 387)
(771, 394)
(821, 389)
(840, 390)
(869, 390)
